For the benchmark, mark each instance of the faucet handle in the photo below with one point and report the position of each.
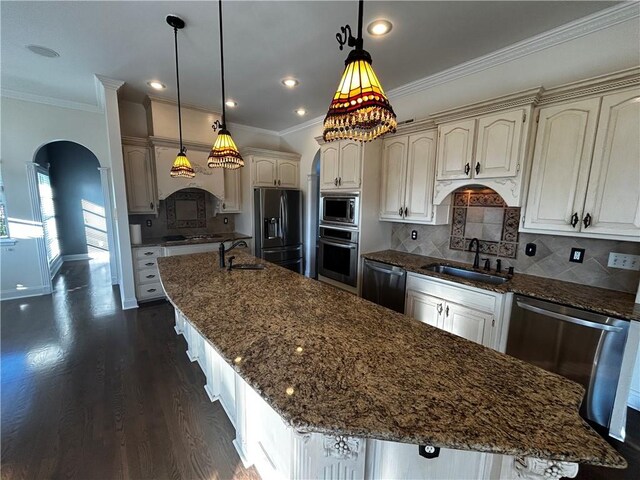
(487, 264)
(231, 259)
(498, 266)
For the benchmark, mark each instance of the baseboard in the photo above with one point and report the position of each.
(634, 400)
(232, 418)
(55, 268)
(129, 303)
(210, 394)
(75, 257)
(246, 463)
(14, 293)
(191, 356)
(179, 332)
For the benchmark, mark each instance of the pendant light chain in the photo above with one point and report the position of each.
(224, 98)
(175, 38)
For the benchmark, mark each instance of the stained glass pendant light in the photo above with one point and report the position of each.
(360, 109)
(224, 153)
(181, 166)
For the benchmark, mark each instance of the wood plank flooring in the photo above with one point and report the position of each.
(93, 392)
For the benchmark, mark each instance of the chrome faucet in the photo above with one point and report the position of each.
(222, 250)
(476, 259)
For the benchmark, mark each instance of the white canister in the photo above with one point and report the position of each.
(136, 233)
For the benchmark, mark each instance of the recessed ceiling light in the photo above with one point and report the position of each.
(301, 111)
(380, 27)
(43, 51)
(290, 82)
(157, 85)
(231, 103)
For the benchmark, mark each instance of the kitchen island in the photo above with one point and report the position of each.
(322, 384)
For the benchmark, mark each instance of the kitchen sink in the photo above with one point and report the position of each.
(465, 273)
(247, 266)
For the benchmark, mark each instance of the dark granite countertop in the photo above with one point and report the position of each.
(599, 300)
(210, 238)
(330, 362)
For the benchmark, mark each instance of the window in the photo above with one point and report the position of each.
(48, 217)
(4, 221)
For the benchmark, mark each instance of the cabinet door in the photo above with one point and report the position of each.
(232, 191)
(329, 166)
(455, 149)
(288, 176)
(468, 323)
(394, 164)
(420, 172)
(350, 164)
(613, 194)
(498, 145)
(264, 172)
(423, 307)
(140, 179)
(561, 161)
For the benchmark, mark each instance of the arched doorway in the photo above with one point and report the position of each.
(72, 206)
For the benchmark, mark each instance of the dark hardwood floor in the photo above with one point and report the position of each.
(93, 392)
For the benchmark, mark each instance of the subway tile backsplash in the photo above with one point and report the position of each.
(551, 259)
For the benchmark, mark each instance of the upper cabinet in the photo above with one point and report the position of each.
(341, 165)
(140, 179)
(232, 202)
(489, 146)
(272, 169)
(585, 177)
(408, 166)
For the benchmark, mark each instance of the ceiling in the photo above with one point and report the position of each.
(264, 42)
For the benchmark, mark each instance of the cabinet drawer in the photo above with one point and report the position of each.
(149, 291)
(148, 252)
(148, 275)
(468, 296)
(144, 263)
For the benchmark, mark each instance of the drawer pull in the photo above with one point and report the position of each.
(151, 290)
(150, 276)
(148, 253)
(149, 264)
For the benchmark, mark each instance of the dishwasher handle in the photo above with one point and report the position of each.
(391, 271)
(568, 318)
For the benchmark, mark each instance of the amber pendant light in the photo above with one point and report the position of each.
(224, 153)
(360, 109)
(181, 166)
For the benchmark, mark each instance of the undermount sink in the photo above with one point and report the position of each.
(464, 273)
(247, 266)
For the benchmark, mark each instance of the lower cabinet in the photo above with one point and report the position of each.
(468, 312)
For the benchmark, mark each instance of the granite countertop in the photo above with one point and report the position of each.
(599, 300)
(330, 362)
(210, 238)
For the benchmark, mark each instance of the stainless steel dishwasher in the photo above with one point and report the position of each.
(384, 284)
(583, 346)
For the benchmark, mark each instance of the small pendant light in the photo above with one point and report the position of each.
(360, 109)
(224, 153)
(181, 166)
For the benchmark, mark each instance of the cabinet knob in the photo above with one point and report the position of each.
(406, 211)
(477, 168)
(339, 181)
(335, 181)
(439, 308)
(224, 206)
(587, 220)
(151, 205)
(278, 182)
(400, 211)
(574, 219)
(467, 169)
(446, 311)
(274, 182)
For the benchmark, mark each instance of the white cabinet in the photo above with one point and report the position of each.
(586, 169)
(146, 275)
(489, 146)
(408, 164)
(140, 179)
(468, 312)
(270, 171)
(232, 202)
(341, 165)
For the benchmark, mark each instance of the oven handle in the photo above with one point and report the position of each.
(340, 245)
(567, 318)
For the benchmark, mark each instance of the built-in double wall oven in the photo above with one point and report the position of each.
(338, 254)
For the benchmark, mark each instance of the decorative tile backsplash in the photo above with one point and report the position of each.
(551, 259)
(484, 215)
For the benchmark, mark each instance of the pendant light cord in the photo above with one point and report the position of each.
(175, 37)
(224, 116)
(360, 14)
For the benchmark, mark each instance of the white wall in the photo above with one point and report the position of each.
(26, 127)
(605, 51)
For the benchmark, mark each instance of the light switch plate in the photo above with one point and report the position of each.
(624, 260)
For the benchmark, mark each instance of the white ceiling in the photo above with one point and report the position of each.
(264, 42)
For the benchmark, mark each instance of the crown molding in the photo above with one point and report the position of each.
(51, 101)
(110, 83)
(263, 152)
(302, 126)
(175, 143)
(135, 141)
(570, 31)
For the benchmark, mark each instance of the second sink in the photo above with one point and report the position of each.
(464, 273)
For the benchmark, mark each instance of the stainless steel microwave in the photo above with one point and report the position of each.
(340, 209)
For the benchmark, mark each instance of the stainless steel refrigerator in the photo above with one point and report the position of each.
(278, 227)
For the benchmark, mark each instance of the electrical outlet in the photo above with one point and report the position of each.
(148, 223)
(624, 260)
(577, 255)
(414, 234)
(225, 220)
